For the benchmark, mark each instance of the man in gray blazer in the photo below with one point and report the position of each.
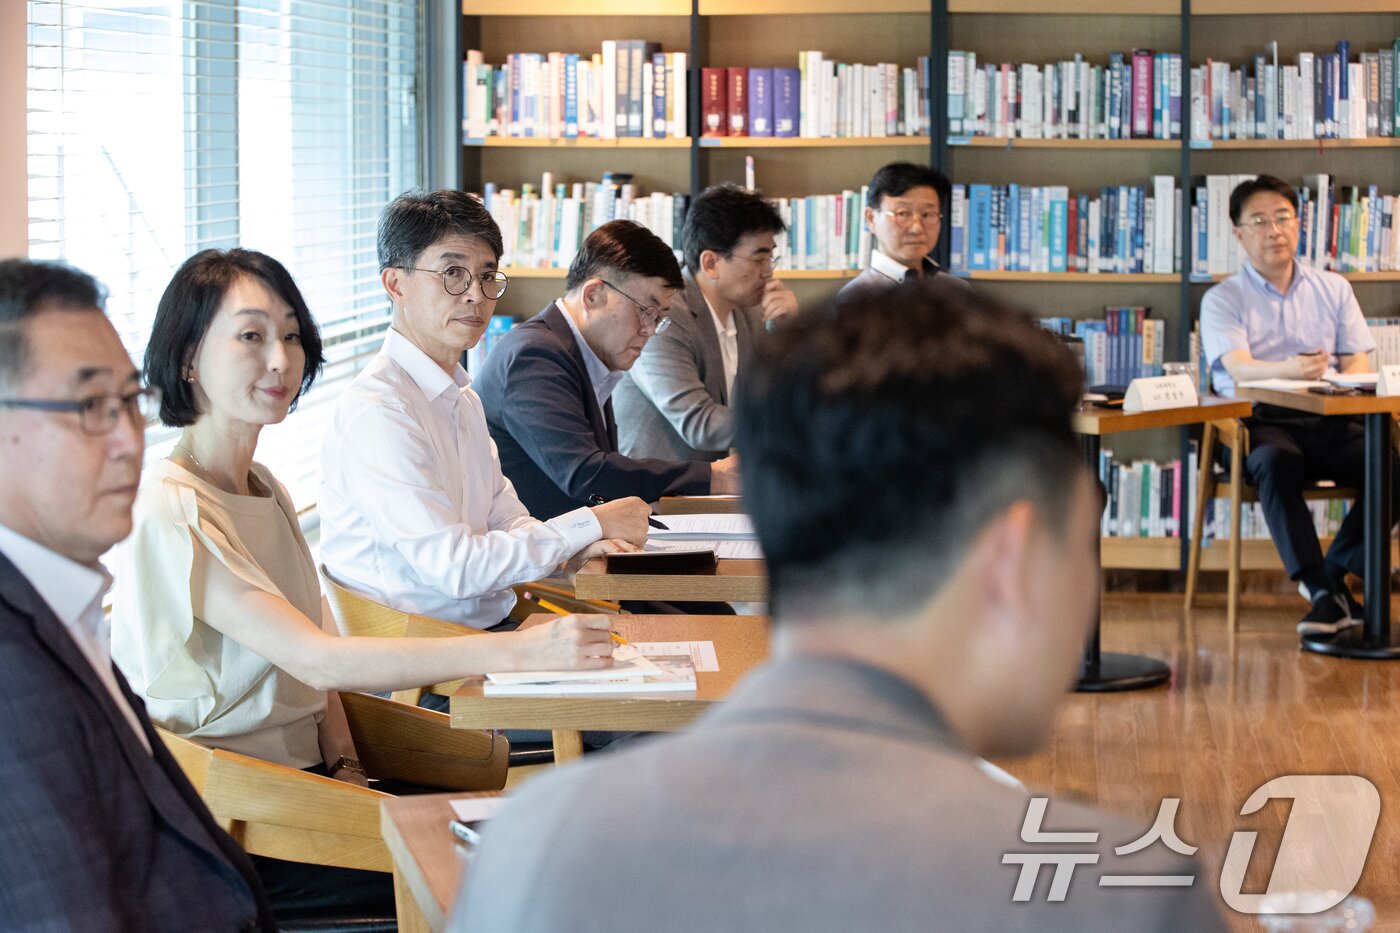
(905, 207)
(675, 403)
(99, 829)
(933, 576)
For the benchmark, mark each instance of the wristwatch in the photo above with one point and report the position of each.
(345, 762)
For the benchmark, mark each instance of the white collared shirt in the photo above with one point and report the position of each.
(74, 593)
(728, 335)
(415, 512)
(604, 380)
(892, 269)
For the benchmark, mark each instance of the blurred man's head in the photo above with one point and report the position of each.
(922, 505)
(71, 413)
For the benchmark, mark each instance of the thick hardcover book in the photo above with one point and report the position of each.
(714, 102)
(760, 101)
(738, 97)
(1142, 94)
(787, 97)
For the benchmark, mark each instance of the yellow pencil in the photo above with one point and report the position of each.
(552, 608)
(619, 639)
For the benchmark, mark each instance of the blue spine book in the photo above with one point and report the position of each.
(787, 100)
(1023, 236)
(1115, 343)
(1343, 57)
(979, 226)
(998, 247)
(1059, 230)
(1012, 262)
(760, 101)
(660, 85)
(1260, 98)
(571, 96)
(1081, 246)
(1373, 228)
(1329, 95)
(1140, 229)
(958, 237)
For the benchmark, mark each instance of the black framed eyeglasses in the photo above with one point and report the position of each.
(651, 316)
(457, 279)
(99, 414)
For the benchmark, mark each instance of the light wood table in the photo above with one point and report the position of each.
(1373, 640)
(428, 862)
(744, 581)
(699, 505)
(1102, 671)
(741, 643)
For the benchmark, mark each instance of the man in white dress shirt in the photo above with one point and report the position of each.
(415, 512)
(905, 204)
(99, 829)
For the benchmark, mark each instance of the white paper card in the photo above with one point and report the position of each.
(704, 527)
(1283, 385)
(701, 653)
(473, 809)
(1157, 393)
(1389, 381)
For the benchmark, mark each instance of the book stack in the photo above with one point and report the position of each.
(1021, 228)
(1134, 96)
(1320, 95)
(1126, 344)
(544, 227)
(1145, 498)
(824, 231)
(631, 89)
(1344, 228)
(1386, 332)
(819, 98)
(1327, 515)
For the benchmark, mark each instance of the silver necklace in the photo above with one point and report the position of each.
(195, 460)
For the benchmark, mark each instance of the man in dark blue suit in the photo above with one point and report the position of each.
(99, 829)
(547, 383)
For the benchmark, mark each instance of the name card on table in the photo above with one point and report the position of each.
(1157, 393)
(1388, 383)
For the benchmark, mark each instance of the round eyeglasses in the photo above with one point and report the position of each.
(457, 279)
(99, 414)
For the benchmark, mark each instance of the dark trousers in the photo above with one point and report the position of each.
(1290, 451)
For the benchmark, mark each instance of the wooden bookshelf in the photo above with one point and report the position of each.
(632, 142)
(810, 142)
(1071, 7)
(1017, 142)
(1379, 142)
(1290, 7)
(1140, 553)
(808, 7)
(578, 8)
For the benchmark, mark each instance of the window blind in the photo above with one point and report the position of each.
(158, 129)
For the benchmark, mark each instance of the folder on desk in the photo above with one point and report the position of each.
(676, 560)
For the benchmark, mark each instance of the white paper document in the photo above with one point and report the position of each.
(701, 653)
(633, 672)
(1353, 380)
(1282, 384)
(627, 661)
(475, 809)
(705, 527)
(724, 550)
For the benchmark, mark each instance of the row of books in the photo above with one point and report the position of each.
(1135, 96)
(1345, 228)
(819, 98)
(1321, 95)
(1024, 228)
(544, 227)
(495, 329)
(1327, 515)
(631, 89)
(1126, 344)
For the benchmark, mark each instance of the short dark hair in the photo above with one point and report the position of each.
(417, 219)
(878, 432)
(627, 247)
(1248, 189)
(28, 287)
(899, 177)
(188, 306)
(722, 215)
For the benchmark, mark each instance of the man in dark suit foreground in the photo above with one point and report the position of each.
(99, 830)
(547, 384)
(930, 532)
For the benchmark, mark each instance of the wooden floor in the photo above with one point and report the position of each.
(1239, 712)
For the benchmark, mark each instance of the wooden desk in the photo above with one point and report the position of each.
(699, 505)
(741, 643)
(743, 581)
(1374, 639)
(428, 863)
(1113, 671)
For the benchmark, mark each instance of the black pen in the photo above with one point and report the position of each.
(596, 499)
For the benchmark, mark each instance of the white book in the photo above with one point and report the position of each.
(1095, 219)
(1164, 226)
(608, 90)
(678, 88)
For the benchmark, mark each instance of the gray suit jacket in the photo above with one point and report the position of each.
(823, 795)
(673, 404)
(96, 833)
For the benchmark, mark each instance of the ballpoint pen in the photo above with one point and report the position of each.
(599, 500)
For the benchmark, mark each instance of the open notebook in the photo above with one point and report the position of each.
(631, 672)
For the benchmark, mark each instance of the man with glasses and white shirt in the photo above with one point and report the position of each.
(548, 383)
(1279, 319)
(415, 511)
(904, 211)
(675, 403)
(99, 828)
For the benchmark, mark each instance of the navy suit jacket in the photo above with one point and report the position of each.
(557, 445)
(96, 833)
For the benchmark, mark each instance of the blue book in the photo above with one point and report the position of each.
(979, 226)
(660, 86)
(1024, 235)
(958, 237)
(1373, 227)
(760, 101)
(1329, 98)
(1013, 228)
(1140, 230)
(1260, 98)
(957, 77)
(787, 101)
(1343, 57)
(1081, 248)
(1059, 230)
(571, 95)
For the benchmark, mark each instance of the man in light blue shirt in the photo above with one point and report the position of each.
(1278, 319)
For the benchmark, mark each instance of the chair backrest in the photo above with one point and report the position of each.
(416, 746)
(357, 615)
(280, 812)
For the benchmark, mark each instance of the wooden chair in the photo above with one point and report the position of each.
(284, 813)
(1233, 433)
